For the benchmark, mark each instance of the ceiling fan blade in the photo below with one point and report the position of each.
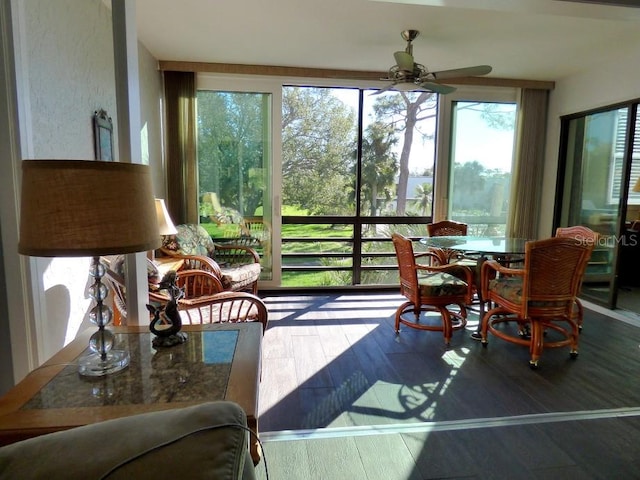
(437, 88)
(382, 90)
(463, 72)
(404, 61)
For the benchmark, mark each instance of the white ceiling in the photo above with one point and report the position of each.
(523, 39)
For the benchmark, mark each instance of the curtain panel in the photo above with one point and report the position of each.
(526, 181)
(180, 120)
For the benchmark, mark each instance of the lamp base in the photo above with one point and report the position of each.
(93, 365)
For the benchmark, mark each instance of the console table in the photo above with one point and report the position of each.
(217, 362)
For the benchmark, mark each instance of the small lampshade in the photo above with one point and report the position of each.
(165, 224)
(636, 187)
(80, 208)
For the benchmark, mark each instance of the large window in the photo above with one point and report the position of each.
(481, 158)
(351, 166)
(356, 167)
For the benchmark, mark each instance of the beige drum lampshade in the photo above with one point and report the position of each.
(74, 208)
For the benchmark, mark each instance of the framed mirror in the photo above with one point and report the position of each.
(103, 135)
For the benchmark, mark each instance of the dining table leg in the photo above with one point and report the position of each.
(476, 335)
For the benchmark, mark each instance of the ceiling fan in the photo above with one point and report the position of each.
(408, 75)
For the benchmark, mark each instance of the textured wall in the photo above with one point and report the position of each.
(68, 60)
(71, 74)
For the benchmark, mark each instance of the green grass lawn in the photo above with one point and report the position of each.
(333, 245)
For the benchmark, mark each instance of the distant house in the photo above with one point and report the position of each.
(412, 192)
(412, 186)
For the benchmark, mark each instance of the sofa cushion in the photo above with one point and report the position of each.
(204, 441)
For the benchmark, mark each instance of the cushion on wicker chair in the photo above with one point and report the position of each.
(510, 288)
(119, 266)
(239, 277)
(191, 239)
(441, 284)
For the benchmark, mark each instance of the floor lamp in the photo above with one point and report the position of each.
(81, 208)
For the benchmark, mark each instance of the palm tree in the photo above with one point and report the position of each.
(423, 192)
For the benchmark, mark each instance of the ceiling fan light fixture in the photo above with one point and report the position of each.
(404, 61)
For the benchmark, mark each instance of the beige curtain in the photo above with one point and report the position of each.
(526, 180)
(180, 112)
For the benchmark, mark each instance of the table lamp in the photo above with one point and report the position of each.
(85, 208)
(165, 224)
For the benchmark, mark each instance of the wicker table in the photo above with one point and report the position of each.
(218, 362)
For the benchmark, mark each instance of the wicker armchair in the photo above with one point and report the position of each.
(236, 266)
(430, 289)
(541, 296)
(588, 236)
(225, 307)
(203, 300)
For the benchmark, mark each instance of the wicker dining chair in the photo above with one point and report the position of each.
(582, 234)
(430, 288)
(540, 296)
(446, 228)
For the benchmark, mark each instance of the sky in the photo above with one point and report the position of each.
(491, 147)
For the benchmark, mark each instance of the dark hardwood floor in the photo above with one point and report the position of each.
(343, 397)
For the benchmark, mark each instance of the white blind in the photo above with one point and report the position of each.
(615, 177)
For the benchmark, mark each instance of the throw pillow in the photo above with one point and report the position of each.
(193, 239)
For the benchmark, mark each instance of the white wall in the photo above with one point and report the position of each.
(603, 85)
(151, 92)
(64, 51)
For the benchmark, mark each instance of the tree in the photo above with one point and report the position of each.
(424, 192)
(231, 148)
(318, 141)
(403, 111)
(379, 165)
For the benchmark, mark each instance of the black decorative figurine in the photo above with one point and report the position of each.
(166, 322)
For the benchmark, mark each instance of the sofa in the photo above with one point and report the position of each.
(208, 440)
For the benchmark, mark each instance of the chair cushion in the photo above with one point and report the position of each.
(441, 284)
(240, 277)
(509, 288)
(191, 239)
(118, 265)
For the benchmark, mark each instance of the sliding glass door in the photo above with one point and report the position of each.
(234, 170)
(600, 162)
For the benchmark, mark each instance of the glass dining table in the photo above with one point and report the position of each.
(503, 249)
(485, 246)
